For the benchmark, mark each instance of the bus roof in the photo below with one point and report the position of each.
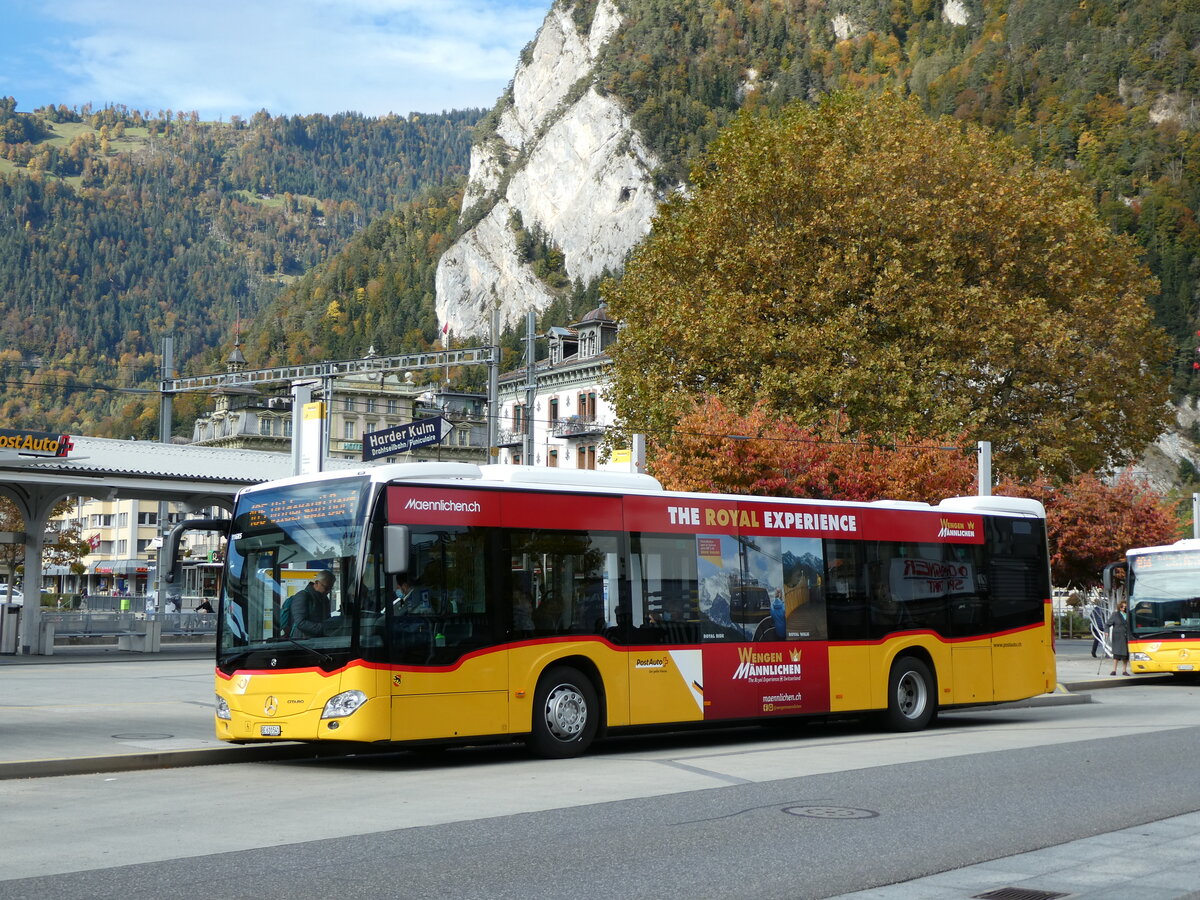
(1178, 546)
(550, 478)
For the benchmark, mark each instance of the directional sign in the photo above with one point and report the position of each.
(402, 438)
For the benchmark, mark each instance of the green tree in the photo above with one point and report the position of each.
(858, 262)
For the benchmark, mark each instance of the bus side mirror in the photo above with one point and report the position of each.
(395, 549)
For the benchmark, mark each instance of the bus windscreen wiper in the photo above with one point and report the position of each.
(323, 657)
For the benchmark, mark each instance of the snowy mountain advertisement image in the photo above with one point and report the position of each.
(769, 591)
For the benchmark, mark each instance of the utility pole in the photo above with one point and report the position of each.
(165, 413)
(493, 401)
(985, 468)
(530, 384)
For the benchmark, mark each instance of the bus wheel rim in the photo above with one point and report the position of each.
(910, 695)
(566, 712)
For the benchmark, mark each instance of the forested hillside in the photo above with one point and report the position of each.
(1105, 89)
(118, 227)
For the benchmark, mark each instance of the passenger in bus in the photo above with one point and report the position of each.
(621, 632)
(522, 611)
(308, 609)
(548, 617)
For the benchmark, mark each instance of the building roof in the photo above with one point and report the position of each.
(102, 466)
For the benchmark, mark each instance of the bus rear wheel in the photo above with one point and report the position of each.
(912, 701)
(566, 714)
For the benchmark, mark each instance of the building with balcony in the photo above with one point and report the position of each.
(570, 418)
(242, 418)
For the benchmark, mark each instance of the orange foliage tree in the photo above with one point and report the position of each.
(717, 449)
(1091, 523)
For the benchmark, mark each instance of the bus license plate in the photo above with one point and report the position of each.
(1187, 667)
(270, 730)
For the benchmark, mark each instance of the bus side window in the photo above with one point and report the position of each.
(846, 599)
(1018, 573)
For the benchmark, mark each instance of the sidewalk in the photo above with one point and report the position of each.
(95, 708)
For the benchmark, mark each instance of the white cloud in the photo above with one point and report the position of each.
(224, 57)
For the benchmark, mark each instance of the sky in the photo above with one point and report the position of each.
(223, 58)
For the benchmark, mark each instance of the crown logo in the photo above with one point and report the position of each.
(795, 656)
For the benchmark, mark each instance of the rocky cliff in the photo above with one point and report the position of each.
(560, 158)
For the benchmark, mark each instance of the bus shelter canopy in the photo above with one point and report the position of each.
(196, 477)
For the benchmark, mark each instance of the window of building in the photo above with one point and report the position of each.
(552, 458)
(587, 405)
(348, 431)
(143, 545)
(147, 518)
(391, 406)
(370, 404)
(122, 547)
(123, 520)
(585, 457)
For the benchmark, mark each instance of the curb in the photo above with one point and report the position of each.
(163, 759)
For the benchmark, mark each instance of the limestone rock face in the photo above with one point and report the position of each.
(562, 159)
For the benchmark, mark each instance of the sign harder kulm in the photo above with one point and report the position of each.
(402, 438)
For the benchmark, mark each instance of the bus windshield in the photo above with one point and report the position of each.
(1164, 592)
(291, 572)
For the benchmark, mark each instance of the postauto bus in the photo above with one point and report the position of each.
(474, 603)
(1162, 587)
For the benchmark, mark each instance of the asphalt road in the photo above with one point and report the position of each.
(754, 813)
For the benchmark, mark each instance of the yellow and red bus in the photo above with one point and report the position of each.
(1162, 588)
(557, 606)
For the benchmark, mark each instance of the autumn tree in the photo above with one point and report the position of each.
(717, 449)
(1091, 523)
(857, 260)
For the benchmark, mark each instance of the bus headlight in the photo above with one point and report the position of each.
(1140, 657)
(343, 704)
(222, 708)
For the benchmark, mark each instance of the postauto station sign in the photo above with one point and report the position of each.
(35, 443)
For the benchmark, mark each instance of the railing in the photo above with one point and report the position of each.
(509, 438)
(108, 624)
(574, 426)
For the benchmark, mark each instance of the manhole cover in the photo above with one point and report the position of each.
(1016, 893)
(830, 812)
(142, 736)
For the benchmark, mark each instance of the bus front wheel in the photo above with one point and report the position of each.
(566, 714)
(912, 700)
